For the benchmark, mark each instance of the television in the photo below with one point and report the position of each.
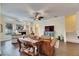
(49, 28)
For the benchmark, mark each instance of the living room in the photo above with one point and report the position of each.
(21, 20)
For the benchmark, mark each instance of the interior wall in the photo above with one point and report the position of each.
(58, 23)
(70, 23)
(0, 28)
(77, 24)
(3, 26)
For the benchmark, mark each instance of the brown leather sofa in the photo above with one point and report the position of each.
(46, 47)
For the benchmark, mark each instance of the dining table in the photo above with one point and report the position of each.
(31, 41)
(28, 40)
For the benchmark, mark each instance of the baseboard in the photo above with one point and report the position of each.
(72, 42)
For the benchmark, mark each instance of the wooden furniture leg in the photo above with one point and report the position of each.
(19, 44)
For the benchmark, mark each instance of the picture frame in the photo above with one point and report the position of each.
(1, 28)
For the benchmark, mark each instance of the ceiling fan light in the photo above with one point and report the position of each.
(40, 17)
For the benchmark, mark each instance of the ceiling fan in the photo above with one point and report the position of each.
(37, 16)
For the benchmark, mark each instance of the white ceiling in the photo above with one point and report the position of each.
(26, 10)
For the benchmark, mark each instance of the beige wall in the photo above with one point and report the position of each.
(77, 23)
(70, 23)
(2, 34)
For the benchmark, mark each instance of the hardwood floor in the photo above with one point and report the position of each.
(65, 49)
(9, 49)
